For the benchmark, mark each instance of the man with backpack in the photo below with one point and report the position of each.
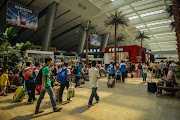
(64, 78)
(46, 87)
(77, 73)
(30, 78)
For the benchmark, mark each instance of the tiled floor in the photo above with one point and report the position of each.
(125, 101)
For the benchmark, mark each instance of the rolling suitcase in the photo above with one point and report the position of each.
(151, 85)
(111, 82)
(19, 94)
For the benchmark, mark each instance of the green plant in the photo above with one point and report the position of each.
(11, 56)
(85, 25)
(116, 20)
(9, 35)
(141, 36)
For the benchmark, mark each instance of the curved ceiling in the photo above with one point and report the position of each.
(143, 15)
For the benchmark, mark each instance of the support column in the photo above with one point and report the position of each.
(82, 39)
(50, 16)
(104, 42)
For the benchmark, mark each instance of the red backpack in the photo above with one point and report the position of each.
(29, 75)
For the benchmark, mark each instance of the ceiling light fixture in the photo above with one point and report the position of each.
(112, 0)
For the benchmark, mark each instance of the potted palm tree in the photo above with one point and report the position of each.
(120, 39)
(174, 10)
(90, 29)
(141, 36)
(116, 20)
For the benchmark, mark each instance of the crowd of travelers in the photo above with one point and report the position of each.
(75, 72)
(138, 69)
(46, 72)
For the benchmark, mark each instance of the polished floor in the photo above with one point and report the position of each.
(125, 101)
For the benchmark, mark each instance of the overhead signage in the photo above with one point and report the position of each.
(95, 40)
(21, 16)
(117, 49)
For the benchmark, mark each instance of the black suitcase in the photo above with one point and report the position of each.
(152, 87)
(118, 77)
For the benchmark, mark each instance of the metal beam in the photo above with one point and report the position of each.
(66, 23)
(70, 29)
(65, 39)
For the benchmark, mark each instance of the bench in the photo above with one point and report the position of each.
(168, 89)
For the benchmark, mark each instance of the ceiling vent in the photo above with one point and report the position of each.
(81, 6)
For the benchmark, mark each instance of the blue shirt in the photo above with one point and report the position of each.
(79, 70)
(123, 67)
(118, 72)
(111, 69)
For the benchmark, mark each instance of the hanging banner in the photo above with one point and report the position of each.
(22, 16)
(95, 40)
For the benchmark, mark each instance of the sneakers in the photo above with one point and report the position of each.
(40, 111)
(90, 105)
(29, 102)
(6, 95)
(57, 109)
(34, 100)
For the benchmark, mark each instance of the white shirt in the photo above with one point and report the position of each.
(93, 77)
(36, 71)
(136, 66)
(144, 67)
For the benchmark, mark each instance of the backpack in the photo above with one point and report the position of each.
(140, 66)
(39, 77)
(75, 70)
(29, 75)
(21, 73)
(54, 71)
(62, 76)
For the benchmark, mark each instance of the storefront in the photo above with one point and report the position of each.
(132, 53)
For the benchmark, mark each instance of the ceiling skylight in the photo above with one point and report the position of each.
(151, 13)
(140, 26)
(147, 14)
(173, 33)
(159, 27)
(164, 37)
(144, 30)
(157, 23)
(133, 17)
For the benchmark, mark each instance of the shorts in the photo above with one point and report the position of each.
(3, 88)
